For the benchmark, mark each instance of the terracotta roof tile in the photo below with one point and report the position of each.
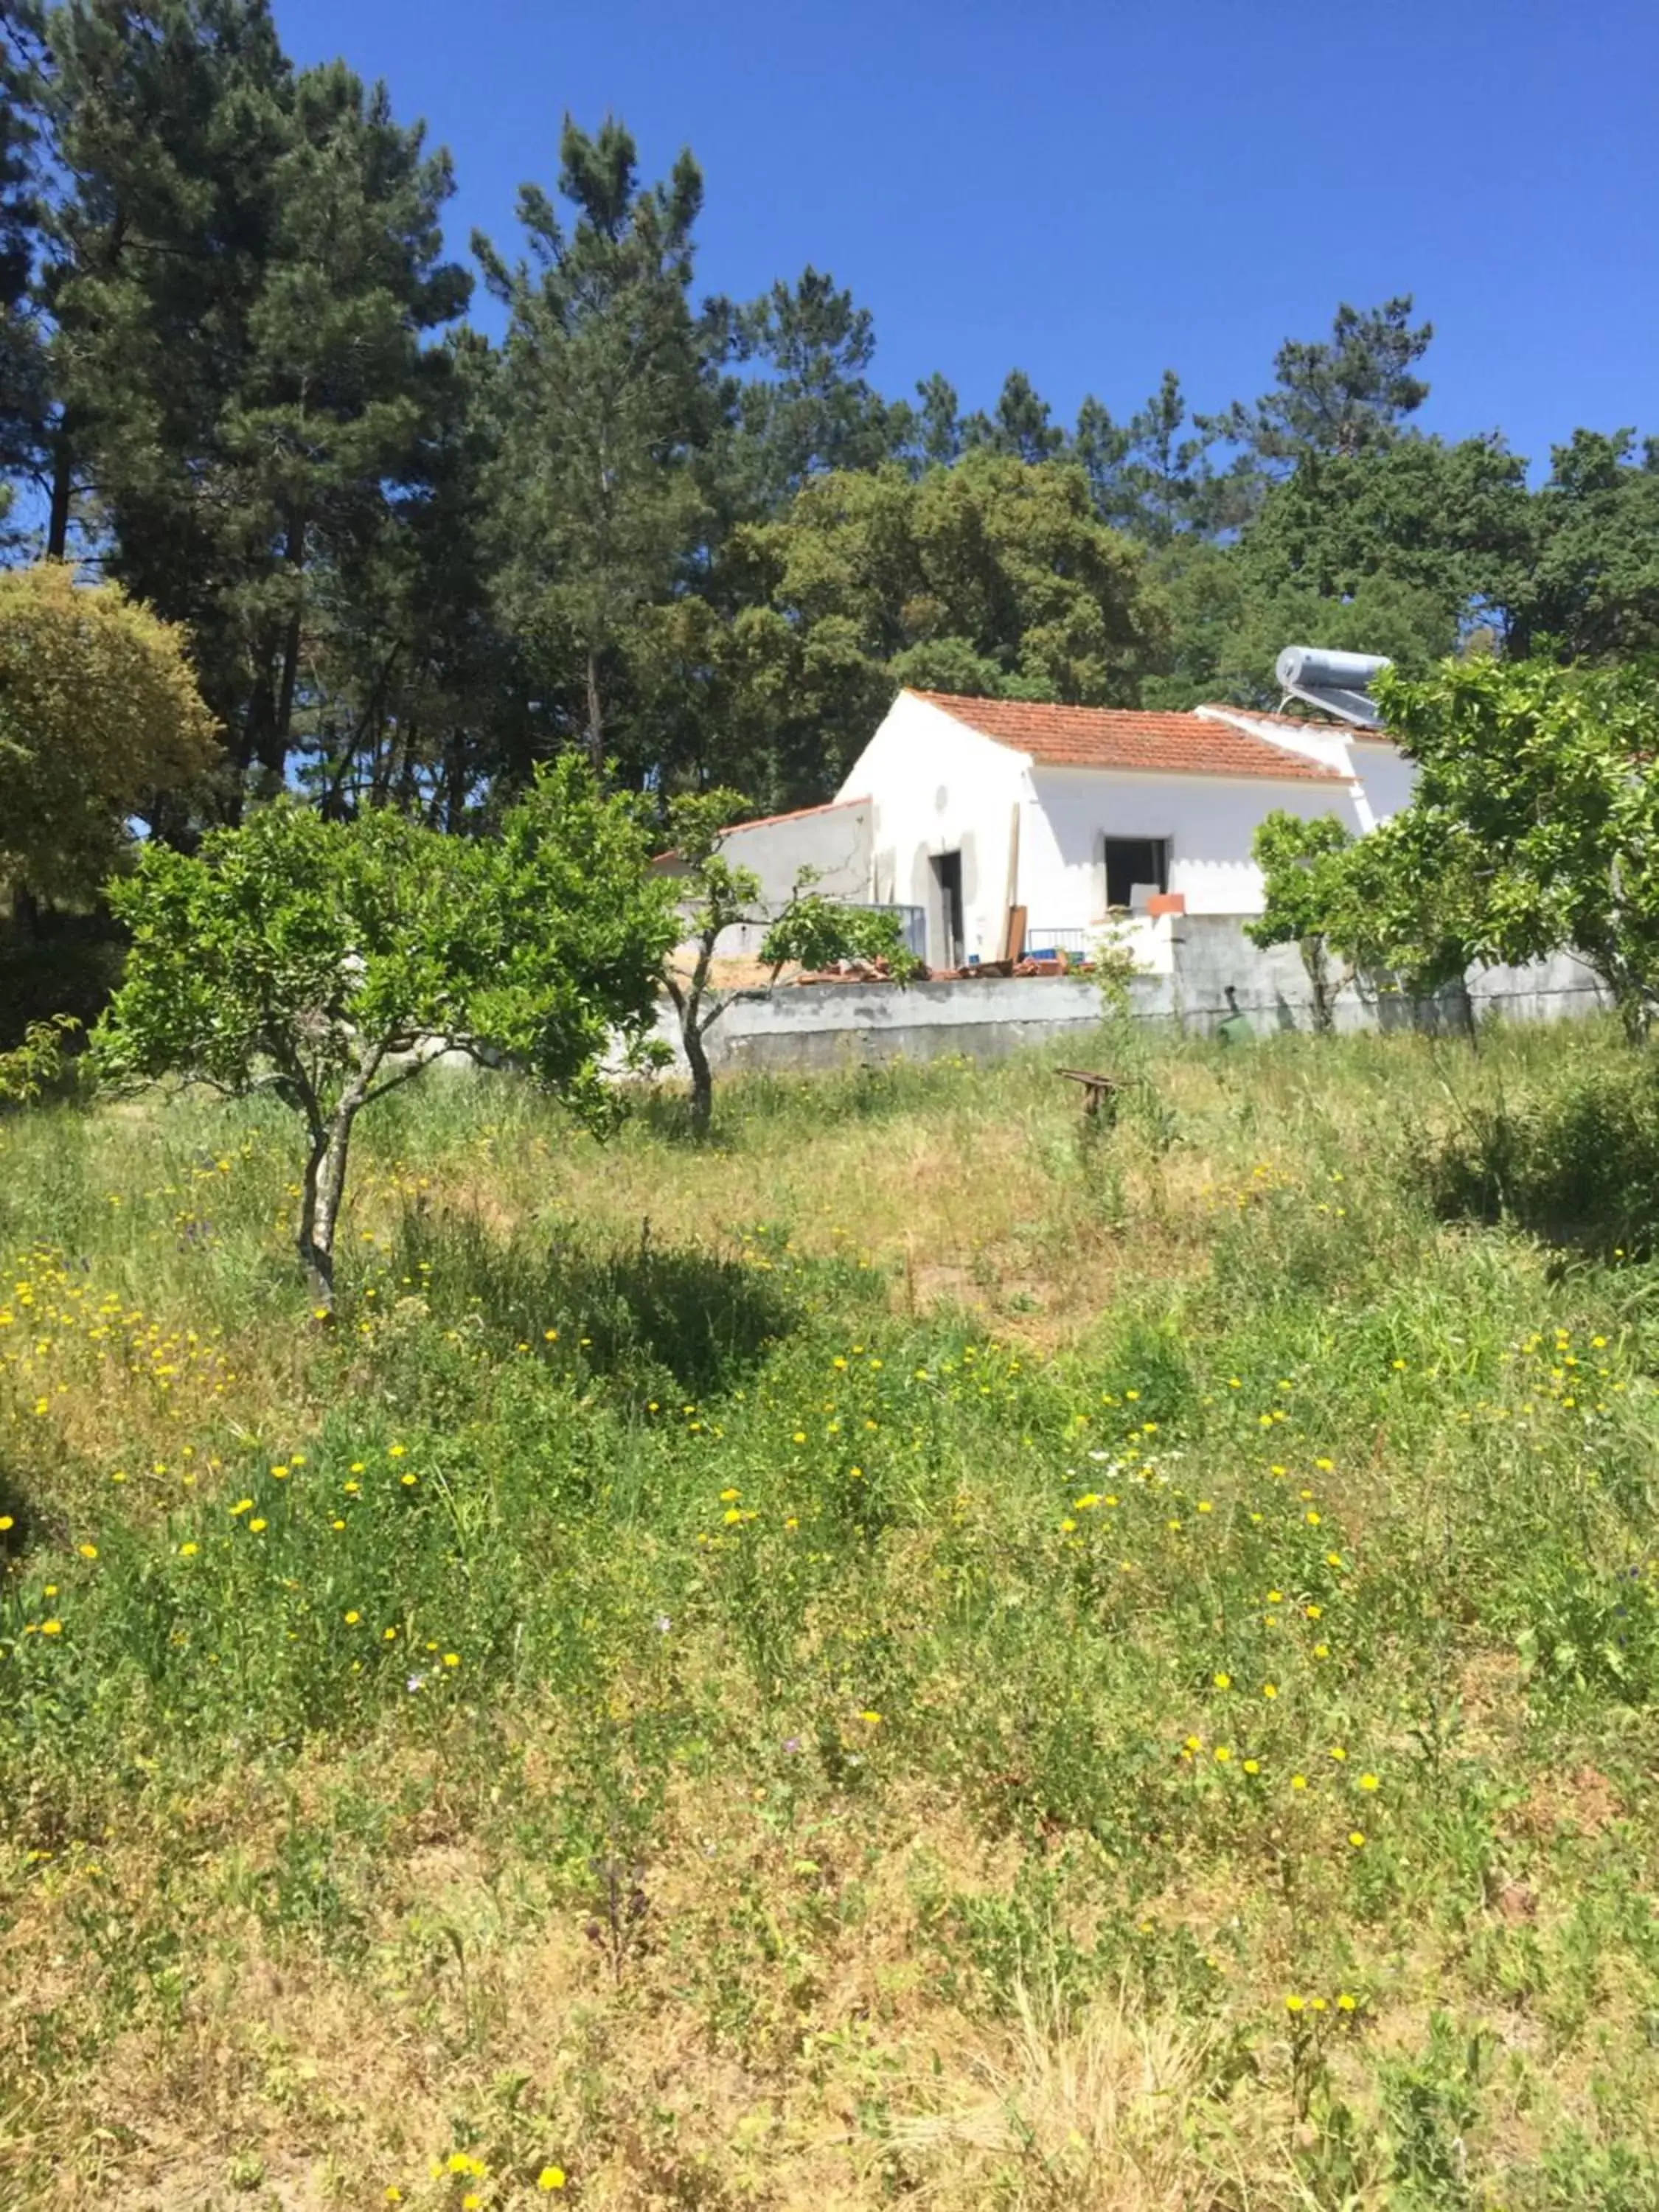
(1129, 738)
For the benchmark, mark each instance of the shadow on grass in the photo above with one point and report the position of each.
(637, 1314)
(665, 1115)
(1576, 1166)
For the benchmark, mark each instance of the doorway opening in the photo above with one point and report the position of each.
(947, 909)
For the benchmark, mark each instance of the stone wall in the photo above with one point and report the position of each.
(825, 1025)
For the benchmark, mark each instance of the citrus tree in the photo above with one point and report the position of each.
(1534, 825)
(719, 894)
(1302, 864)
(328, 962)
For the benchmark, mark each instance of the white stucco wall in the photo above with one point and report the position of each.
(1383, 774)
(834, 840)
(1387, 776)
(1209, 821)
(937, 788)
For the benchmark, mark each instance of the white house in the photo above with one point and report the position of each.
(965, 808)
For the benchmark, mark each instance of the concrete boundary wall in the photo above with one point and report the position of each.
(826, 1025)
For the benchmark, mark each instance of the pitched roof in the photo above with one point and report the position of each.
(1129, 738)
(796, 814)
(1355, 732)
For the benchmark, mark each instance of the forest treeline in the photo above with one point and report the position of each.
(687, 534)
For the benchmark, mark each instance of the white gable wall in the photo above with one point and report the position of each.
(1208, 820)
(834, 840)
(937, 788)
(1383, 772)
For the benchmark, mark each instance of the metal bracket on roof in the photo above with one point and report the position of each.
(1336, 683)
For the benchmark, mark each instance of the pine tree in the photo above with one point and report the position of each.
(1023, 426)
(1344, 395)
(938, 430)
(816, 410)
(607, 399)
(24, 402)
(244, 266)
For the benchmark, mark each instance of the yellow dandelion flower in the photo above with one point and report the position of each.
(352, 1619)
(52, 1628)
(1345, 2002)
(1224, 1681)
(1223, 1753)
(89, 1551)
(256, 1524)
(452, 1658)
(550, 2177)
(1270, 1689)
(1369, 1782)
(1299, 1781)
(1293, 2003)
(1253, 1766)
(188, 1551)
(1356, 1838)
(1338, 1753)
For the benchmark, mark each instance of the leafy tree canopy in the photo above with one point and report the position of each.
(994, 576)
(331, 962)
(1537, 795)
(101, 722)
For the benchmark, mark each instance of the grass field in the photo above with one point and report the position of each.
(920, 1653)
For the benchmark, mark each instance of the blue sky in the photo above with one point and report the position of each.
(1092, 191)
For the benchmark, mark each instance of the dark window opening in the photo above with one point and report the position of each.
(1133, 861)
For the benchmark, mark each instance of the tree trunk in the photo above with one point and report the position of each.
(1317, 963)
(25, 912)
(294, 557)
(702, 1078)
(62, 492)
(595, 719)
(321, 1190)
